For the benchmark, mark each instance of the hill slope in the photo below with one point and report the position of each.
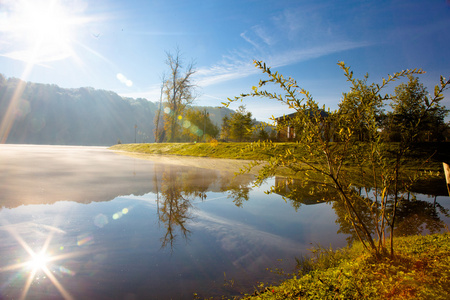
(48, 114)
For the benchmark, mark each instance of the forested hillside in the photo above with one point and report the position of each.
(48, 114)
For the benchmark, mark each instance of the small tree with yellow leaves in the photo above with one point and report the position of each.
(343, 151)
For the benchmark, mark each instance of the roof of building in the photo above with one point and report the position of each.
(290, 116)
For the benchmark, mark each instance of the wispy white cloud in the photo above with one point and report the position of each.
(304, 54)
(263, 34)
(223, 72)
(287, 38)
(233, 235)
(258, 37)
(249, 40)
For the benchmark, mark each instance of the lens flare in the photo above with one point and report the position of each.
(39, 261)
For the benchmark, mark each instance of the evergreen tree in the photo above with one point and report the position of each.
(241, 125)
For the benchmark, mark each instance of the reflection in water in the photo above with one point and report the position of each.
(177, 190)
(173, 207)
(413, 216)
(300, 192)
(101, 245)
(237, 189)
(419, 217)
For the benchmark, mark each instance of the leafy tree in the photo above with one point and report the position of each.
(262, 134)
(179, 92)
(361, 108)
(225, 129)
(241, 125)
(368, 174)
(197, 125)
(412, 119)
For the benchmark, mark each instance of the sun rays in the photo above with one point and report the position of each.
(42, 31)
(36, 263)
(38, 32)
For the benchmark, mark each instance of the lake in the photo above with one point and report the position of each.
(89, 223)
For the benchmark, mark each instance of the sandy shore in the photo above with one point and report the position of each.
(232, 165)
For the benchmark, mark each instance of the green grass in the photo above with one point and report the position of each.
(251, 151)
(420, 270)
(213, 150)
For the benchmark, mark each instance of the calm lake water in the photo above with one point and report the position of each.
(118, 227)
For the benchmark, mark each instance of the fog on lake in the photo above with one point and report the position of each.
(89, 223)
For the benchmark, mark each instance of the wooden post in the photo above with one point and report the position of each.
(447, 176)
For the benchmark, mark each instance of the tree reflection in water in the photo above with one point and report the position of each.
(299, 192)
(173, 208)
(180, 189)
(177, 191)
(417, 217)
(413, 216)
(237, 188)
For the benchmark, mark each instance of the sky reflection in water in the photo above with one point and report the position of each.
(169, 231)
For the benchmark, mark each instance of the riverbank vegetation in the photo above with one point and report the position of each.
(354, 134)
(434, 152)
(420, 270)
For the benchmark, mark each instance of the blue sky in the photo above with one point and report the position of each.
(121, 45)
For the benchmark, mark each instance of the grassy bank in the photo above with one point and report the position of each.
(421, 270)
(437, 151)
(213, 150)
(433, 153)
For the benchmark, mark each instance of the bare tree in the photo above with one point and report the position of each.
(179, 92)
(159, 136)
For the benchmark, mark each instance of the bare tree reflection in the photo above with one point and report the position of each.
(179, 189)
(173, 208)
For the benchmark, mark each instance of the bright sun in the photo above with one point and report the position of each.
(42, 30)
(38, 261)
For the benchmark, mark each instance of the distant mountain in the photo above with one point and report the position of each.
(48, 114)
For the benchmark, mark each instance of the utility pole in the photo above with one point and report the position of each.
(135, 127)
(204, 126)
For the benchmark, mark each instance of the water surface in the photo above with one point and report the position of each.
(118, 227)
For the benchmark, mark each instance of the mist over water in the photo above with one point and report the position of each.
(113, 226)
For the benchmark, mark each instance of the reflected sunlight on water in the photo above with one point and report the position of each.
(140, 228)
